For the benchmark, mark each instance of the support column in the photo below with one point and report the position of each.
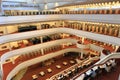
(63, 45)
(42, 51)
(83, 39)
(45, 6)
(84, 10)
(110, 8)
(63, 24)
(81, 55)
(41, 39)
(83, 26)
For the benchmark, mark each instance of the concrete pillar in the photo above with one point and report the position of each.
(45, 6)
(41, 39)
(63, 35)
(13, 61)
(83, 39)
(84, 10)
(42, 52)
(81, 55)
(83, 26)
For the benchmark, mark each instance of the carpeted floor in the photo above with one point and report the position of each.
(36, 70)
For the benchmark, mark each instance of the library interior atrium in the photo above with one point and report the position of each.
(59, 40)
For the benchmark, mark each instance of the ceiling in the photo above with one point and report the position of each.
(50, 3)
(57, 3)
(43, 1)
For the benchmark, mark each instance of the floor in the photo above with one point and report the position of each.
(9, 66)
(55, 70)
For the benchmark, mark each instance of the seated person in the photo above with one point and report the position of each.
(86, 77)
(102, 67)
(70, 72)
(93, 74)
(60, 77)
(98, 70)
(76, 69)
(108, 68)
(113, 63)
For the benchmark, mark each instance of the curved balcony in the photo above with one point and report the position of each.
(41, 46)
(39, 59)
(26, 35)
(34, 48)
(81, 17)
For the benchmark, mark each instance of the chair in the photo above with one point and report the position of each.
(65, 63)
(49, 70)
(58, 66)
(42, 73)
(34, 77)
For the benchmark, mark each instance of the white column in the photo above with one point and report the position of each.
(41, 39)
(63, 45)
(62, 35)
(116, 48)
(13, 61)
(83, 39)
(81, 55)
(56, 4)
(83, 26)
(42, 52)
(45, 6)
